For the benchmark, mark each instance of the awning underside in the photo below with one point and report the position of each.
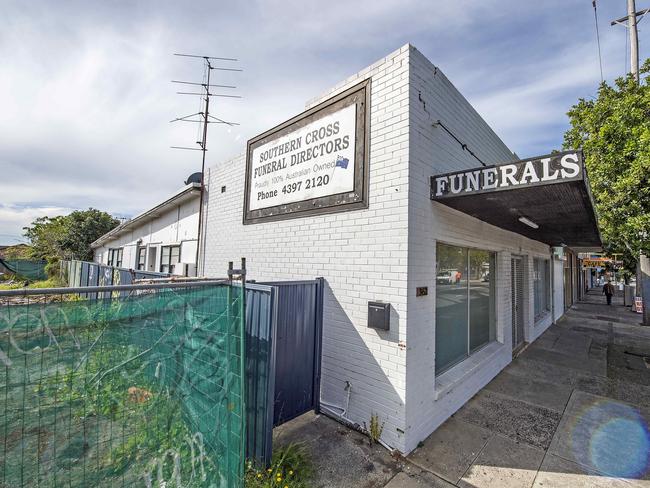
(563, 212)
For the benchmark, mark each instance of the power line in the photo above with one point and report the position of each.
(600, 59)
(625, 70)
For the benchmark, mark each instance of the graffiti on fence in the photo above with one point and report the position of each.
(150, 375)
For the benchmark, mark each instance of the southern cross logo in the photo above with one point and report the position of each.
(342, 162)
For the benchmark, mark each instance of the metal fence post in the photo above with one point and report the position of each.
(242, 363)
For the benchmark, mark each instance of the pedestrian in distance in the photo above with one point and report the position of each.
(608, 291)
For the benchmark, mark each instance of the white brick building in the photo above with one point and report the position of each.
(387, 251)
(161, 239)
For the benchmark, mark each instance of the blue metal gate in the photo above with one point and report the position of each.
(283, 352)
(297, 350)
(283, 347)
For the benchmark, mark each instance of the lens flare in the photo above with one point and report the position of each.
(613, 438)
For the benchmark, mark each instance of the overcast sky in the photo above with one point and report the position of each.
(86, 98)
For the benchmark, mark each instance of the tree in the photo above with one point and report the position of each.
(17, 251)
(44, 235)
(68, 236)
(83, 227)
(614, 132)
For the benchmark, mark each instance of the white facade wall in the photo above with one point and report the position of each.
(385, 252)
(176, 226)
(362, 255)
(430, 400)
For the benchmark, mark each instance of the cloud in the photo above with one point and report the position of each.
(86, 95)
(14, 218)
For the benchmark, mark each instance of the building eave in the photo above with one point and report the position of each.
(187, 193)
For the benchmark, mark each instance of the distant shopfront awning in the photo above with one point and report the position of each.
(547, 199)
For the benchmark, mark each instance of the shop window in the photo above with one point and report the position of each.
(169, 258)
(541, 286)
(142, 253)
(115, 257)
(465, 303)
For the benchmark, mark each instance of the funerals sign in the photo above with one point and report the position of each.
(545, 170)
(313, 163)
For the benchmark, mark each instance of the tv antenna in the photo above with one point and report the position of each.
(203, 90)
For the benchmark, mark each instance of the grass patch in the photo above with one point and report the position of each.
(290, 468)
(20, 283)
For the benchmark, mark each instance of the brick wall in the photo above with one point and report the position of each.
(385, 252)
(362, 255)
(429, 400)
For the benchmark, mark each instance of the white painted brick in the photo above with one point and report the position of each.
(383, 252)
(433, 151)
(344, 248)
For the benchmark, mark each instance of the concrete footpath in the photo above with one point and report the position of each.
(572, 410)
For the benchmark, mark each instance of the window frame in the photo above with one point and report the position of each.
(545, 283)
(141, 255)
(494, 256)
(171, 267)
(115, 255)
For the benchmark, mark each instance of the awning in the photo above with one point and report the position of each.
(547, 199)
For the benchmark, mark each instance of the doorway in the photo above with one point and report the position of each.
(517, 297)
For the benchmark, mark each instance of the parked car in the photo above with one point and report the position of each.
(447, 277)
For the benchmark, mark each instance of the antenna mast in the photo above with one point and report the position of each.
(204, 118)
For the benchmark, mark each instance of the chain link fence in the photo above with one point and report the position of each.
(140, 388)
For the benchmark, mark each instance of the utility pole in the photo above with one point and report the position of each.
(205, 119)
(634, 39)
(643, 263)
(630, 21)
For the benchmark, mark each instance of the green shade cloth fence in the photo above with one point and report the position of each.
(143, 390)
(30, 269)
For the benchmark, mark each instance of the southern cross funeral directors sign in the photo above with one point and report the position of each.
(313, 163)
(545, 170)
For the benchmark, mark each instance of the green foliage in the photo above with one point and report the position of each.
(65, 237)
(290, 468)
(614, 132)
(11, 286)
(375, 429)
(126, 391)
(108, 383)
(44, 233)
(82, 228)
(19, 251)
(49, 283)
(53, 268)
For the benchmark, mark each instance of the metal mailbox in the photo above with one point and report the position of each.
(379, 315)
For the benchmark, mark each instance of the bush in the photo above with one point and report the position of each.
(290, 468)
(53, 268)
